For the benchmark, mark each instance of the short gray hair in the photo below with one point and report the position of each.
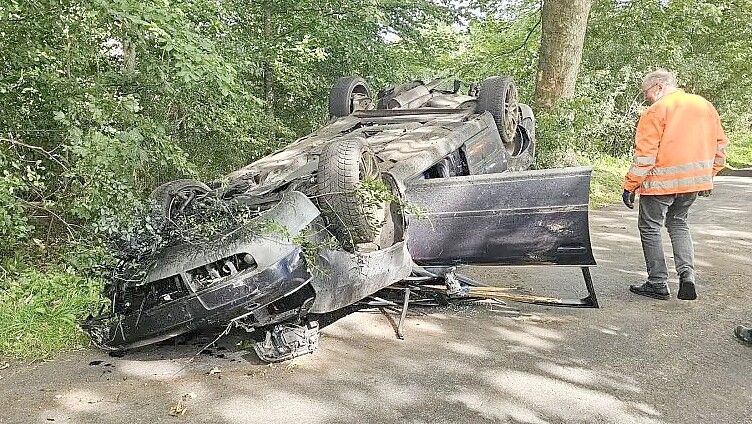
(660, 76)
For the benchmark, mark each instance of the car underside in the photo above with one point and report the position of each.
(412, 182)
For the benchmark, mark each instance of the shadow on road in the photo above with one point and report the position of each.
(635, 360)
(462, 363)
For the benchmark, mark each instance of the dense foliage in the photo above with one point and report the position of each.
(102, 100)
(703, 41)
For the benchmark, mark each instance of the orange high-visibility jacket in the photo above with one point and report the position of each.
(679, 146)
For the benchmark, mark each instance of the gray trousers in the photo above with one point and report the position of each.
(671, 210)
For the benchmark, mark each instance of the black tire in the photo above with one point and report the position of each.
(343, 165)
(525, 140)
(342, 94)
(170, 198)
(498, 95)
(527, 120)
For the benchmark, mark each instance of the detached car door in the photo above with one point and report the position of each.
(512, 218)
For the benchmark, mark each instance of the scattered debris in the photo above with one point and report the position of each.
(214, 370)
(5, 365)
(287, 341)
(92, 363)
(499, 293)
(257, 373)
(179, 408)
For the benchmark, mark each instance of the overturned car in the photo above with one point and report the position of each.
(420, 178)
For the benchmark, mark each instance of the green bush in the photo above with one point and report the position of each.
(599, 120)
(14, 224)
(39, 311)
(739, 153)
(608, 177)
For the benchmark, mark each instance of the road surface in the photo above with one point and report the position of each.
(635, 360)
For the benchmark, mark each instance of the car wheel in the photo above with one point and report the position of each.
(169, 199)
(349, 94)
(353, 216)
(498, 95)
(524, 157)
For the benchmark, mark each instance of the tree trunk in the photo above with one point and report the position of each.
(129, 57)
(268, 69)
(564, 23)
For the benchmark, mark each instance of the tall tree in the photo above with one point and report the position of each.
(564, 23)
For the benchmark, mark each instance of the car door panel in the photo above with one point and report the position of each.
(511, 218)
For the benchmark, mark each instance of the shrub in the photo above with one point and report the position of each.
(39, 312)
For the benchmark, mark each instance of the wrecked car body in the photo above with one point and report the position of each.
(419, 176)
(198, 287)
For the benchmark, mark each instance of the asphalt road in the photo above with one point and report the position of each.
(635, 360)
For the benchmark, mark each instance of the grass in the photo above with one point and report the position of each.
(39, 312)
(608, 177)
(740, 150)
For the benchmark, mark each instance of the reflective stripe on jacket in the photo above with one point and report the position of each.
(679, 146)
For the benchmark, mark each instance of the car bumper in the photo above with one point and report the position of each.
(219, 304)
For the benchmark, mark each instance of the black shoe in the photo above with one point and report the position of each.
(743, 333)
(686, 290)
(649, 290)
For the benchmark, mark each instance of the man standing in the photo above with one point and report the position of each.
(679, 147)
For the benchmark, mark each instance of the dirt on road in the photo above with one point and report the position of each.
(635, 360)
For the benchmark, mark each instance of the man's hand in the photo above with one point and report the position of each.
(705, 193)
(628, 198)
